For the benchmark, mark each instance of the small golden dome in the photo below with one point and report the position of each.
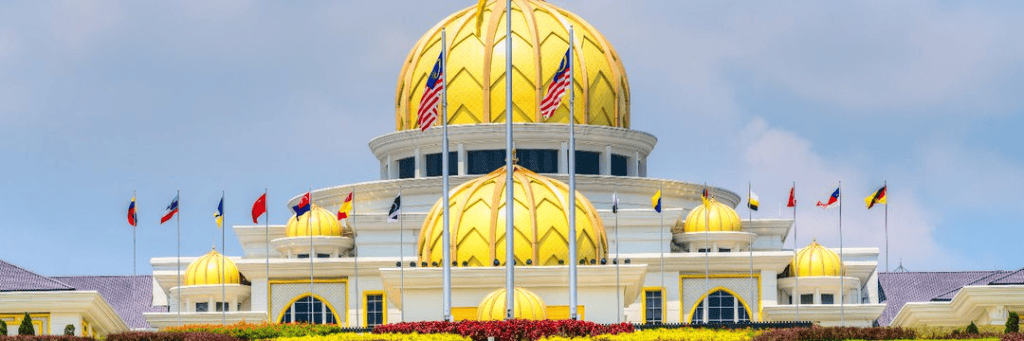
(207, 270)
(720, 218)
(816, 260)
(541, 223)
(528, 306)
(476, 68)
(323, 224)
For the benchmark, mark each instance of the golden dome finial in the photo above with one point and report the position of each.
(528, 306)
(816, 260)
(540, 37)
(541, 219)
(206, 270)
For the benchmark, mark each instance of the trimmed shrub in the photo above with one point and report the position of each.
(26, 327)
(1012, 323)
(378, 337)
(971, 328)
(3, 328)
(69, 330)
(44, 338)
(511, 330)
(169, 336)
(260, 331)
(836, 333)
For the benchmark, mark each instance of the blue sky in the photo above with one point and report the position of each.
(98, 99)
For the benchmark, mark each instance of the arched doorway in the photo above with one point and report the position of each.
(722, 307)
(309, 309)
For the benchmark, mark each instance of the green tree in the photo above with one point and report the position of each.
(1012, 323)
(26, 326)
(3, 328)
(69, 330)
(971, 328)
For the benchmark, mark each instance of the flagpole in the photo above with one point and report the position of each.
(355, 255)
(572, 182)
(266, 236)
(750, 246)
(312, 252)
(886, 186)
(618, 290)
(661, 235)
(224, 255)
(401, 255)
(842, 267)
(707, 251)
(134, 232)
(177, 218)
(796, 274)
(446, 243)
(510, 280)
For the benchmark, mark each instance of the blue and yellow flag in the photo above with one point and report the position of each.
(219, 215)
(656, 201)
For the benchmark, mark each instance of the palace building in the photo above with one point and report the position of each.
(694, 262)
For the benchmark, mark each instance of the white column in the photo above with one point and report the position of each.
(606, 161)
(463, 162)
(817, 296)
(392, 169)
(421, 165)
(631, 164)
(769, 296)
(563, 159)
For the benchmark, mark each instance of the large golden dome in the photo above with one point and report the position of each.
(207, 270)
(541, 223)
(719, 218)
(816, 260)
(476, 67)
(528, 306)
(323, 224)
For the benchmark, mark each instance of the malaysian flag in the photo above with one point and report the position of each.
(559, 84)
(431, 96)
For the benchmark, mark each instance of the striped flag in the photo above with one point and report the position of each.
(431, 96)
(346, 207)
(832, 200)
(132, 218)
(559, 84)
(171, 210)
(876, 198)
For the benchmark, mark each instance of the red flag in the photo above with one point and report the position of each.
(792, 197)
(132, 218)
(259, 208)
(346, 207)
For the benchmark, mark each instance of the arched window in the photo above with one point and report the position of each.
(309, 309)
(722, 307)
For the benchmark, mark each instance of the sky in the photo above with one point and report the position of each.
(103, 99)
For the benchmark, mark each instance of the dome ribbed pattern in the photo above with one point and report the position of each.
(324, 223)
(528, 306)
(816, 260)
(476, 68)
(719, 218)
(207, 270)
(541, 223)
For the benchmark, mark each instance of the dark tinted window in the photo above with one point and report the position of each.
(434, 164)
(619, 165)
(539, 160)
(588, 162)
(485, 161)
(407, 168)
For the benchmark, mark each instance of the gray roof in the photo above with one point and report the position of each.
(899, 288)
(15, 278)
(1016, 277)
(130, 296)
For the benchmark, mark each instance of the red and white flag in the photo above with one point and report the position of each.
(559, 85)
(431, 96)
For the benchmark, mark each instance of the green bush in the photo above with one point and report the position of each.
(26, 326)
(3, 328)
(971, 328)
(69, 330)
(1012, 323)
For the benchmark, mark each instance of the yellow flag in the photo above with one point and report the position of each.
(656, 201)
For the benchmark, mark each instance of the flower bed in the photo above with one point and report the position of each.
(511, 330)
(169, 336)
(836, 333)
(44, 338)
(681, 334)
(378, 337)
(260, 331)
(1012, 337)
